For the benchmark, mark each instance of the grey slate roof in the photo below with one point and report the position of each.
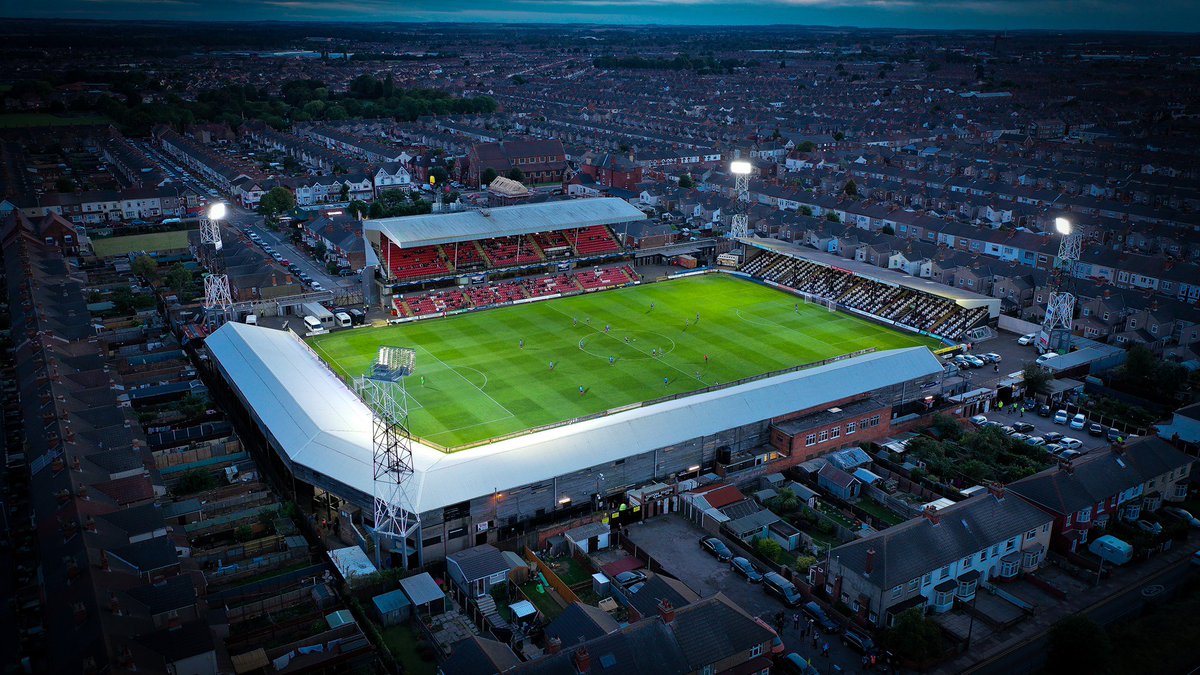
(714, 629)
(136, 520)
(176, 592)
(117, 461)
(479, 562)
(644, 647)
(1101, 475)
(646, 600)
(912, 548)
(580, 623)
(478, 655)
(148, 555)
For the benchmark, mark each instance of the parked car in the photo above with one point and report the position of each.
(1052, 437)
(814, 612)
(316, 286)
(1070, 443)
(1023, 427)
(345, 272)
(285, 262)
(1044, 410)
(716, 547)
(1053, 448)
(1096, 429)
(991, 423)
(627, 579)
(1035, 441)
(1182, 514)
(858, 642)
(1079, 421)
(1149, 526)
(785, 590)
(1045, 358)
(1069, 454)
(1019, 437)
(1115, 436)
(992, 357)
(746, 569)
(1027, 339)
(975, 361)
(1196, 558)
(979, 420)
(1062, 417)
(1008, 431)
(794, 664)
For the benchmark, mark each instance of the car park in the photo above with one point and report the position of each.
(716, 547)
(1027, 339)
(1023, 427)
(1035, 441)
(1018, 436)
(746, 569)
(991, 423)
(974, 361)
(1079, 421)
(1052, 437)
(794, 664)
(316, 286)
(285, 262)
(1115, 436)
(858, 642)
(1182, 514)
(1096, 429)
(979, 420)
(627, 579)
(1069, 454)
(1008, 430)
(786, 591)
(1053, 448)
(822, 620)
(1070, 443)
(992, 357)
(1062, 417)
(1044, 410)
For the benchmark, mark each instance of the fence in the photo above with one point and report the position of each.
(557, 584)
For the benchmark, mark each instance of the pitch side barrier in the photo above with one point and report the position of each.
(661, 399)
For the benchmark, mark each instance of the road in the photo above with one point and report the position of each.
(1028, 656)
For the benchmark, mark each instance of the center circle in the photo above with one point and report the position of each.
(641, 344)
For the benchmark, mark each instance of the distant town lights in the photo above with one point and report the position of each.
(740, 167)
(1062, 225)
(216, 211)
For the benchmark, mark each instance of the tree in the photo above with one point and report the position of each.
(179, 278)
(1078, 645)
(839, 136)
(806, 146)
(64, 184)
(144, 266)
(832, 217)
(1037, 378)
(487, 177)
(851, 188)
(516, 174)
(686, 182)
(913, 637)
(440, 176)
(888, 229)
(320, 250)
(194, 480)
(768, 549)
(344, 193)
(804, 562)
(278, 200)
(358, 208)
(947, 428)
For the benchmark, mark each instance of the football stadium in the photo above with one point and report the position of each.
(551, 379)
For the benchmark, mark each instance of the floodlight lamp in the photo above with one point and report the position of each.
(216, 211)
(1062, 225)
(740, 167)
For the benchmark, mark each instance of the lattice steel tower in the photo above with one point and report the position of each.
(1055, 335)
(218, 301)
(740, 223)
(392, 459)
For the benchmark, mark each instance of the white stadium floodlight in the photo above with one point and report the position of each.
(740, 167)
(1062, 225)
(216, 211)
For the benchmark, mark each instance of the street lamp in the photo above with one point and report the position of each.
(216, 211)
(740, 167)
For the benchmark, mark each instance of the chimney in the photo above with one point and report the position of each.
(583, 662)
(997, 490)
(931, 514)
(870, 560)
(666, 611)
(553, 645)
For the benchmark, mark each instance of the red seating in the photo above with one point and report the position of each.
(414, 262)
(553, 244)
(605, 277)
(464, 255)
(594, 240)
(504, 251)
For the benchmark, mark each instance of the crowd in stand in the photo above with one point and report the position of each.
(487, 295)
(915, 309)
(446, 259)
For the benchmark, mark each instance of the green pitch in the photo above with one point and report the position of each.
(474, 381)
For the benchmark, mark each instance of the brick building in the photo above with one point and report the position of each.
(540, 161)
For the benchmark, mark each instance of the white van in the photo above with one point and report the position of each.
(314, 325)
(343, 319)
(252, 319)
(1041, 360)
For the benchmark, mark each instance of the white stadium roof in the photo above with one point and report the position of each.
(447, 228)
(320, 424)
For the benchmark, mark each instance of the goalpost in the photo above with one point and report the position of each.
(832, 304)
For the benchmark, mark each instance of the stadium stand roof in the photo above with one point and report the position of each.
(447, 228)
(960, 296)
(320, 424)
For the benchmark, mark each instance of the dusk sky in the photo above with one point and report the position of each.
(1159, 15)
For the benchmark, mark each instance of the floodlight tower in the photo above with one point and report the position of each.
(1055, 335)
(392, 459)
(740, 224)
(218, 301)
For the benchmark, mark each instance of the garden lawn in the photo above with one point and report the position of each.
(475, 381)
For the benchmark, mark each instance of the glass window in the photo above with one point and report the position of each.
(824, 435)
(850, 427)
(898, 591)
(835, 432)
(810, 439)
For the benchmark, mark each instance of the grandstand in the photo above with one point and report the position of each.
(885, 295)
(439, 248)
